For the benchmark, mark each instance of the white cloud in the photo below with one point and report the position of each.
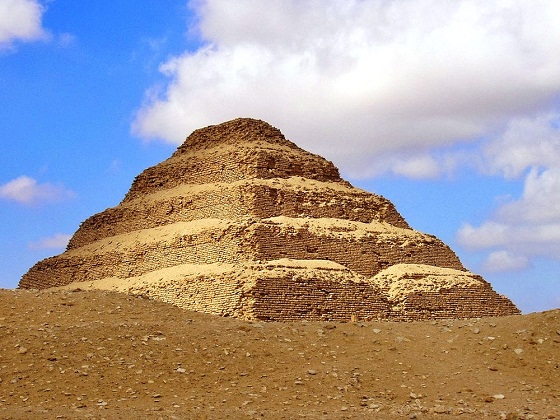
(419, 167)
(58, 241)
(528, 226)
(356, 80)
(540, 203)
(511, 246)
(20, 20)
(521, 239)
(488, 235)
(505, 261)
(527, 141)
(26, 190)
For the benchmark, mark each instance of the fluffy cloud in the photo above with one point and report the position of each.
(26, 190)
(505, 261)
(528, 226)
(390, 87)
(519, 239)
(420, 166)
(20, 19)
(58, 241)
(528, 141)
(540, 203)
(488, 235)
(358, 81)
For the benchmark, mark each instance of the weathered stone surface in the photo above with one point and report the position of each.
(241, 222)
(427, 292)
(234, 201)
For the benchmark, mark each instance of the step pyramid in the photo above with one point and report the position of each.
(241, 222)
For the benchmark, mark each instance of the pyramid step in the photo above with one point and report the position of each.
(244, 161)
(365, 248)
(260, 199)
(284, 290)
(419, 291)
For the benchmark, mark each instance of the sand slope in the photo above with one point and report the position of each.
(100, 354)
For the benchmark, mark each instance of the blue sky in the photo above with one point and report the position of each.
(449, 109)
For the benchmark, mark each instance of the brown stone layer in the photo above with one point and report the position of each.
(456, 302)
(316, 291)
(365, 253)
(266, 199)
(290, 298)
(245, 161)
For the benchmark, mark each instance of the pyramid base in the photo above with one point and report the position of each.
(283, 290)
(468, 302)
(315, 290)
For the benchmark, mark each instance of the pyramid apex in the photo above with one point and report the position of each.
(233, 132)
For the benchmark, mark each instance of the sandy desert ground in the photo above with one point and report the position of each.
(96, 354)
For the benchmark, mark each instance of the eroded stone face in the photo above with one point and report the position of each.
(241, 222)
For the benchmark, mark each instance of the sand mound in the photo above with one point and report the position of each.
(100, 354)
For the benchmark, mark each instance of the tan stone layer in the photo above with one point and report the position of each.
(292, 197)
(292, 290)
(426, 292)
(229, 164)
(365, 248)
(400, 280)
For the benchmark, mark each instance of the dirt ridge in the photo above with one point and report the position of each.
(105, 355)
